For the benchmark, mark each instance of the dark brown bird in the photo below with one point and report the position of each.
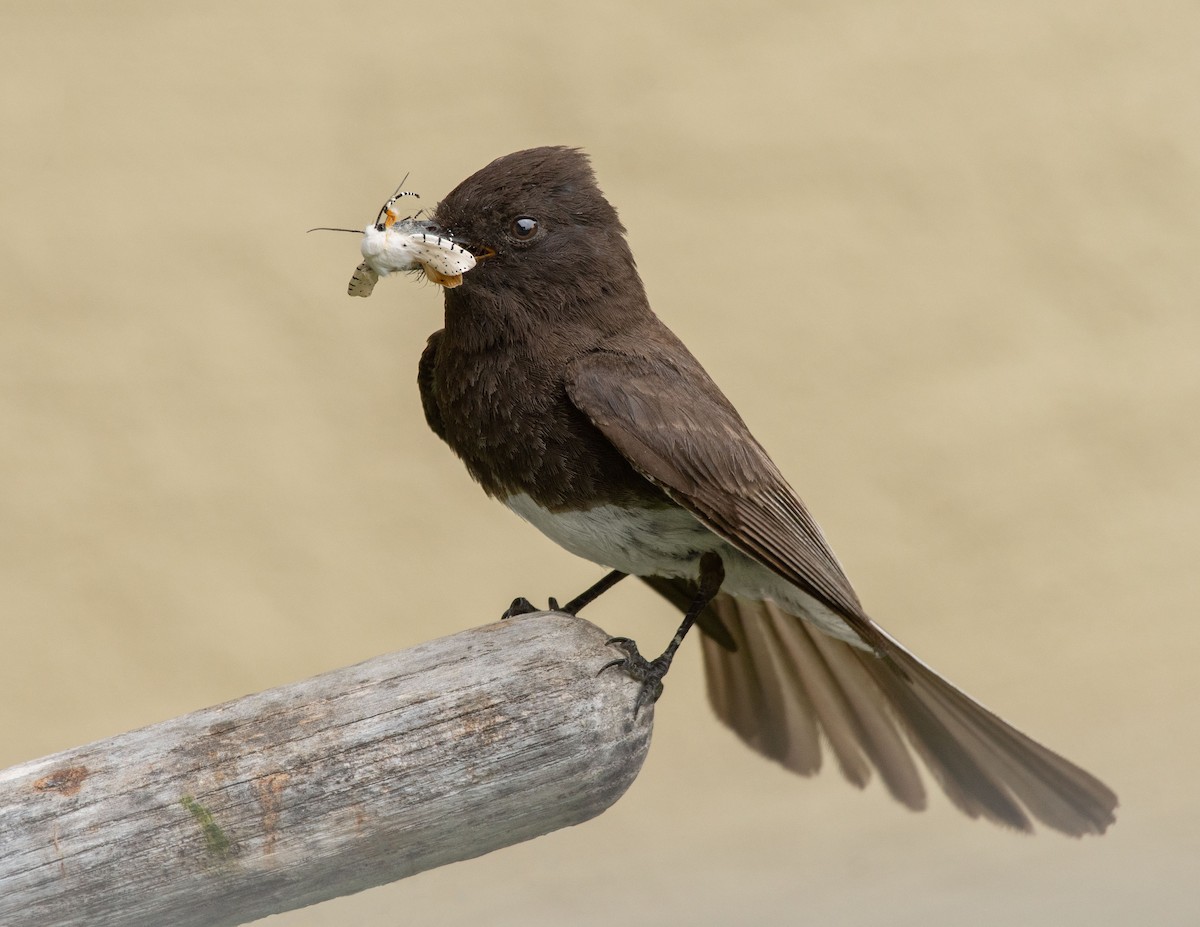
(573, 404)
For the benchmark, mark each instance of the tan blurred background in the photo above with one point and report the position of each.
(945, 257)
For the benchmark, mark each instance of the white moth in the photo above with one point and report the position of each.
(391, 245)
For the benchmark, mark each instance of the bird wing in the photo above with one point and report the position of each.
(672, 423)
(783, 681)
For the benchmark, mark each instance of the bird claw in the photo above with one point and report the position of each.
(522, 606)
(649, 673)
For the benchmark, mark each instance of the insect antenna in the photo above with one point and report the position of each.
(400, 186)
(380, 223)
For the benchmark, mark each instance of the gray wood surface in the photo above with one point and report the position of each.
(324, 787)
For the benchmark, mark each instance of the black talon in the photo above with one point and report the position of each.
(520, 606)
(650, 673)
(620, 661)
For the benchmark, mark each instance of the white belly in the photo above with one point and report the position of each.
(643, 542)
(669, 542)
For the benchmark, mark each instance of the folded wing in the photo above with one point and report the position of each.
(786, 687)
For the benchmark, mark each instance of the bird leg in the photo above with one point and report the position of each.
(522, 606)
(590, 594)
(650, 673)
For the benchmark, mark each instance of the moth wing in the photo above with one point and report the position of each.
(444, 256)
(460, 260)
(449, 281)
(362, 282)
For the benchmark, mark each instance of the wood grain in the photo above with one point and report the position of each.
(325, 787)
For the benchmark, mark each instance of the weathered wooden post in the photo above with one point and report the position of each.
(324, 787)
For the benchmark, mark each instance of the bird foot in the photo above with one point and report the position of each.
(522, 606)
(649, 673)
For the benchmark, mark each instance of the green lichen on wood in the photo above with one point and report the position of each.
(218, 844)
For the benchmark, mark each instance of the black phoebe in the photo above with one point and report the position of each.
(573, 404)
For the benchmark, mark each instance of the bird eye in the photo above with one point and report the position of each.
(523, 228)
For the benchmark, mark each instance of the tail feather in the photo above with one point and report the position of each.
(881, 740)
(787, 681)
(746, 692)
(1054, 790)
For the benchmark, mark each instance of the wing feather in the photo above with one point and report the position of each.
(701, 452)
(784, 682)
